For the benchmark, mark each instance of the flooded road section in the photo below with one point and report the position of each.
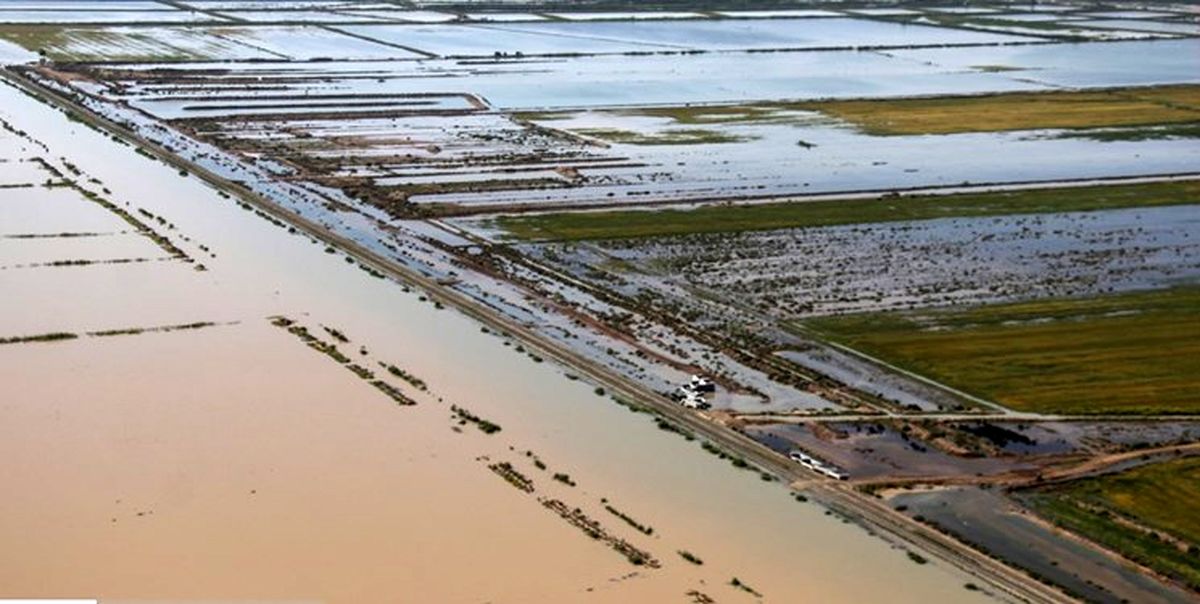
(199, 404)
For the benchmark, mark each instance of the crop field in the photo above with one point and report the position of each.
(804, 272)
(630, 110)
(947, 115)
(1146, 514)
(582, 226)
(1126, 354)
(602, 157)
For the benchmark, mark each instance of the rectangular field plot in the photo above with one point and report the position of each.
(39, 210)
(465, 40)
(616, 16)
(84, 5)
(1132, 353)
(405, 16)
(766, 33)
(296, 16)
(132, 44)
(16, 172)
(305, 43)
(1191, 29)
(76, 247)
(104, 16)
(1125, 63)
(78, 299)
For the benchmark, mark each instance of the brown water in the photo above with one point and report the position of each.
(233, 463)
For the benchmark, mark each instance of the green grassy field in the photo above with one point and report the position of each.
(1019, 111)
(1136, 106)
(617, 224)
(1134, 353)
(671, 136)
(1160, 497)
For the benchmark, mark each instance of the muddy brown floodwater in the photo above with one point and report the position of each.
(176, 462)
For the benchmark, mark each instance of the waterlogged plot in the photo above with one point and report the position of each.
(104, 16)
(280, 5)
(1002, 246)
(65, 249)
(503, 17)
(133, 44)
(779, 14)
(85, 5)
(768, 34)
(1191, 29)
(654, 155)
(478, 40)
(537, 83)
(386, 160)
(617, 16)
(45, 211)
(406, 16)
(306, 43)
(1079, 65)
(295, 16)
(796, 273)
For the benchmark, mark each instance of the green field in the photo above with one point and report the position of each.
(1135, 353)
(1160, 497)
(617, 224)
(1019, 111)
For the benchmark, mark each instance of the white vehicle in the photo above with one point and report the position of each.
(818, 466)
(702, 384)
(695, 401)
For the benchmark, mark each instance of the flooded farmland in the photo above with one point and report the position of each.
(348, 301)
(229, 445)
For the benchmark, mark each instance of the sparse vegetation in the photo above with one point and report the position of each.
(45, 337)
(641, 528)
(465, 417)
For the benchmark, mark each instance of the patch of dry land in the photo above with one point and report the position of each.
(208, 420)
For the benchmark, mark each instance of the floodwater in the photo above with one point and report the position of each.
(232, 462)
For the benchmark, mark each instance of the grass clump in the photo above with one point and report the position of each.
(412, 380)
(641, 528)
(57, 336)
(465, 417)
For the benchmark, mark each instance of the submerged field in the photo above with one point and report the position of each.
(1132, 353)
(1146, 514)
(579, 226)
